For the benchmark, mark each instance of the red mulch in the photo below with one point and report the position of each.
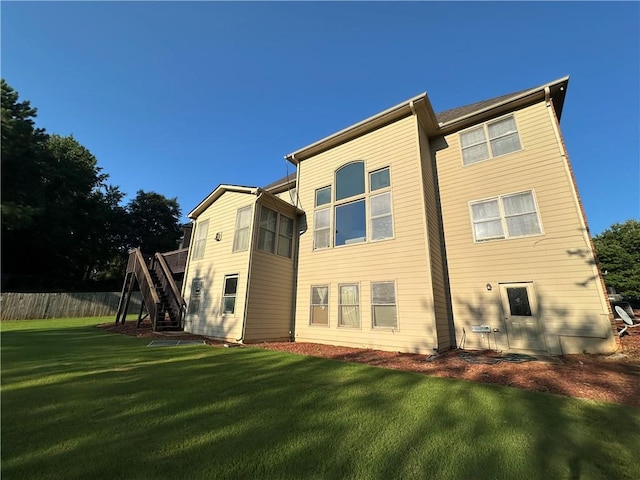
(614, 378)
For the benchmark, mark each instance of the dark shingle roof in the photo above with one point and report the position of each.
(452, 114)
(281, 182)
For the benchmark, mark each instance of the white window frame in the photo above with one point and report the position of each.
(325, 304)
(225, 295)
(356, 305)
(378, 170)
(315, 200)
(487, 139)
(386, 191)
(374, 304)
(367, 197)
(238, 228)
(200, 239)
(506, 235)
(316, 229)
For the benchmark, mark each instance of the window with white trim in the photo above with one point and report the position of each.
(502, 135)
(506, 216)
(358, 215)
(319, 314)
(383, 304)
(349, 305)
(200, 240)
(243, 227)
(323, 196)
(322, 229)
(381, 216)
(229, 294)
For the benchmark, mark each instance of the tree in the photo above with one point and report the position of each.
(154, 222)
(23, 159)
(618, 250)
(63, 226)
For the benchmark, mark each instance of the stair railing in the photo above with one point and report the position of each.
(175, 301)
(147, 288)
(176, 260)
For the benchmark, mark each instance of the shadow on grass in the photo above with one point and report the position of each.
(77, 404)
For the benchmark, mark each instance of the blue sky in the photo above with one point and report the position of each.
(180, 97)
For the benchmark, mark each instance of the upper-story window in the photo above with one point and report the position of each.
(489, 140)
(506, 216)
(358, 214)
(200, 239)
(241, 232)
(275, 233)
(350, 180)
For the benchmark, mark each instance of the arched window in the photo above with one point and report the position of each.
(357, 213)
(350, 216)
(350, 180)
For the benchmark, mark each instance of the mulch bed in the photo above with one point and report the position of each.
(614, 378)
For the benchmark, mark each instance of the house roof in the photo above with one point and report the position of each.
(454, 113)
(443, 122)
(217, 193)
(475, 112)
(283, 183)
(222, 189)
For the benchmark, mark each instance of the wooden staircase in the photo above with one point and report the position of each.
(160, 295)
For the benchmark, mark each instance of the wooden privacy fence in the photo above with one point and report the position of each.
(23, 306)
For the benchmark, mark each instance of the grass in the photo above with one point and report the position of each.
(81, 403)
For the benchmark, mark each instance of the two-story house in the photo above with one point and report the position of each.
(409, 231)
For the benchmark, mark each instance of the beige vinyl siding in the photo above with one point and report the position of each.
(444, 322)
(288, 196)
(559, 262)
(403, 259)
(218, 261)
(270, 302)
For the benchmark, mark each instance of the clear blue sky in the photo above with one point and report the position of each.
(180, 97)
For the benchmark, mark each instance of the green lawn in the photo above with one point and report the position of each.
(81, 403)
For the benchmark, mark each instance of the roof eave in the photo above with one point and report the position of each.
(217, 193)
(558, 90)
(381, 119)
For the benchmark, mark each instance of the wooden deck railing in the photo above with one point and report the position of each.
(175, 301)
(176, 260)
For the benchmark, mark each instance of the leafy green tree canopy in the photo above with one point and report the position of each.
(23, 160)
(63, 225)
(618, 250)
(154, 222)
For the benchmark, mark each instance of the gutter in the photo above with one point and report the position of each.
(529, 93)
(380, 119)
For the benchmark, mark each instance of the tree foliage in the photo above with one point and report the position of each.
(618, 250)
(63, 225)
(153, 222)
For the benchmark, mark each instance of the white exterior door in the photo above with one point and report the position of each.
(521, 316)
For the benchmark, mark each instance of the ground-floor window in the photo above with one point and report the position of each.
(229, 293)
(349, 305)
(383, 304)
(320, 305)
